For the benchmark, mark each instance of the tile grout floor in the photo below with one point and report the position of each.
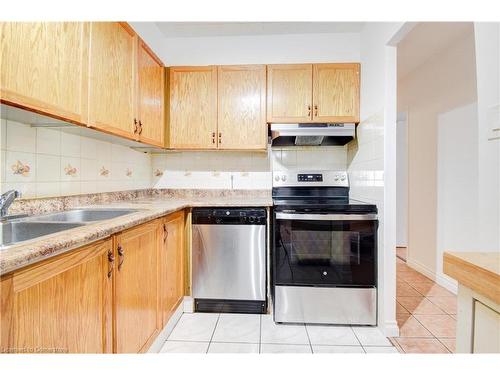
(425, 311)
(425, 314)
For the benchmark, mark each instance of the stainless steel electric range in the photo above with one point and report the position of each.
(324, 253)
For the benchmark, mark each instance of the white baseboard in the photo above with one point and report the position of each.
(391, 328)
(167, 330)
(439, 279)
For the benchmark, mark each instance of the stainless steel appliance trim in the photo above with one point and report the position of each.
(323, 305)
(229, 261)
(291, 130)
(325, 217)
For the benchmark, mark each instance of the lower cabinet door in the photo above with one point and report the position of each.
(62, 305)
(172, 264)
(137, 314)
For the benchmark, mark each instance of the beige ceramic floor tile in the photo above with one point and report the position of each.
(439, 325)
(447, 304)
(419, 305)
(412, 277)
(450, 344)
(404, 289)
(431, 289)
(411, 327)
(400, 309)
(421, 345)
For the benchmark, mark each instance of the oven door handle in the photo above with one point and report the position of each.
(325, 217)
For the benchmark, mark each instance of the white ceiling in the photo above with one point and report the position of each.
(207, 29)
(427, 39)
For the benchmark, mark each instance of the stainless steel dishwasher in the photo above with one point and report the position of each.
(229, 259)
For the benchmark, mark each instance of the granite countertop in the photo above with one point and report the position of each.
(149, 208)
(478, 271)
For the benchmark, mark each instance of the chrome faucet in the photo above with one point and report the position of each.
(6, 200)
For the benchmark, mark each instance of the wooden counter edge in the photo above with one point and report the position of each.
(479, 279)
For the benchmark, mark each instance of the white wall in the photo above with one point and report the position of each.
(371, 165)
(487, 43)
(402, 180)
(258, 49)
(457, 184)
(444, 82)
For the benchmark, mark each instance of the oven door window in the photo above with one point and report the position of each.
(336, 253)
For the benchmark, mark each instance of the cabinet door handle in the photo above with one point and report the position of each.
(121, 254)
(111, 261)
(308, 111)
(316, 111)
(220, 138)
(140, 127)
(135, 126)
(213, 137)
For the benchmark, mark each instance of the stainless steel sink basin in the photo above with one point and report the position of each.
(83, 215)
(12, 232)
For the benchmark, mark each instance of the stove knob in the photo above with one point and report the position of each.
(325, 273)
(283, 178)
(228, 213)
(342, 178)
(276, 178)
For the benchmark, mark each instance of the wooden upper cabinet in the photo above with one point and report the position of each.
(241, 118)
(336, 92)
(193, 107)
(64, 303)
(289, 93)
(112, 78)
(150, 97)
(44, 67)
(172, 265)
(136, 313)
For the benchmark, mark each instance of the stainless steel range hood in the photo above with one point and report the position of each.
(312, 134)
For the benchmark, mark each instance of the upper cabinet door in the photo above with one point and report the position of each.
(45, 67)
(242, 107)
(151, 97)
(289, 93)
(336, 92)
(193, 107)
(112, 78)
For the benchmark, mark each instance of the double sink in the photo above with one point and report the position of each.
(21, 229)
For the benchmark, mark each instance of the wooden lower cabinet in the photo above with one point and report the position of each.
(61, 305)
(136, 313)
(113, 296)
(172, 264)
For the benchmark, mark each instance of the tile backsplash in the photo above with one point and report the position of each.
(44, 162)
(239, 170)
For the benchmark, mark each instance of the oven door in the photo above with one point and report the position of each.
(325, 249)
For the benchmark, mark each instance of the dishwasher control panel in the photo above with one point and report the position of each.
(230, 215)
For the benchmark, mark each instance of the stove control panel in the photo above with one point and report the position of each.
(310, 178)
(313, 177)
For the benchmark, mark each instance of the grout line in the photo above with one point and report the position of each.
(213, 333)
(308, 338)
(357, 338)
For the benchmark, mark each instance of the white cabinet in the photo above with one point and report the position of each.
(486, 337)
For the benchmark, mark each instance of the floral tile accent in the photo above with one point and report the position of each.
(21, 169)
(128, 172)
(70, 170)
(104, 172)
(158, 173)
